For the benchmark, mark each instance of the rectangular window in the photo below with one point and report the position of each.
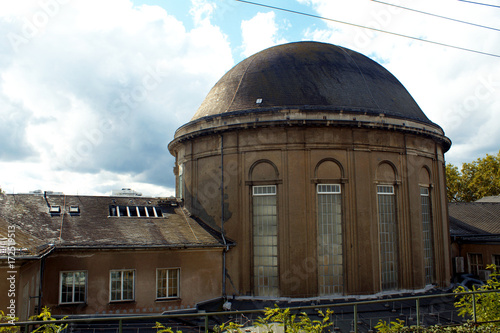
(265, 240)
(427, 235)
(180, 191)
(496, 260)
(121, 285)
(167, 283)
(330, 267)
(388, 237)
(475, 263)
(73, 287)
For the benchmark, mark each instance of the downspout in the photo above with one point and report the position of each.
(42, 271)
(40, 289)
(222, 217)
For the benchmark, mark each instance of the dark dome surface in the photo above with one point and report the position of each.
(310, 76)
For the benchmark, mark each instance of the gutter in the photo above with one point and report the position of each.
(142, 247)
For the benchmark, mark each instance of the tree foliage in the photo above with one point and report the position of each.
(475, 180)
(487, 305)
(8, 319)
(45, 315)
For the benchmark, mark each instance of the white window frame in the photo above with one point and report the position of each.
(266, 190)
(328, 189)
(121, 285)
(73, 291)
(178, 287)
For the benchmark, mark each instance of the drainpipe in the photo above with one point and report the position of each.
(42, 271)
(222, 217)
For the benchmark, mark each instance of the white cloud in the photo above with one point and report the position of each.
(260, 32)
(448, 84)
(91, 92)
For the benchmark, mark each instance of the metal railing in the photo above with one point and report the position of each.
(361, 315)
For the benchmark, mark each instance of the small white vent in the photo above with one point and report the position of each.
(328, 188)
(385, 189)
(264, 190)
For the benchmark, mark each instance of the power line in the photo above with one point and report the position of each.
(374, 29)
(480, 3)
(435, 15)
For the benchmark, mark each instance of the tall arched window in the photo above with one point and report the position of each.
(388, 237)
(427, 234)
(330, 263)
(265, 240)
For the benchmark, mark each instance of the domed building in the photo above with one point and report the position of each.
(322, 169)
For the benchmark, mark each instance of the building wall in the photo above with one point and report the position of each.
(200, 279)
(485, 250)
(23, 290)
(296, 159)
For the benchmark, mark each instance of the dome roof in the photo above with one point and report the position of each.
(310, 76)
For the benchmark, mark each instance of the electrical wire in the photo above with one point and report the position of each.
(480, 3)
(435, 15)
(374, 29)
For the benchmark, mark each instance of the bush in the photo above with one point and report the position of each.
(7, 319)
(45, 315)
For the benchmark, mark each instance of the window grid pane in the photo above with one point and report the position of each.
(427, 235)
(330, 265)
(496, 260)
(73, 287)
(167, 283)
(265, 241)
(388, 237)
(475, 263)
(121, 285)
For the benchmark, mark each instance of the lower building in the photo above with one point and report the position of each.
(475, 237)
(104, 255)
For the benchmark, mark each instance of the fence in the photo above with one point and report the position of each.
(355, 316)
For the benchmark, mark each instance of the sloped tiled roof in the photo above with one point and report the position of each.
(93, 227)
(474, 218)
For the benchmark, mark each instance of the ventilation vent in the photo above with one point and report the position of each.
(264, 190)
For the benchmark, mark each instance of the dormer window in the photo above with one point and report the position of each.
(74, 210)
(55, 210)
(135, 211)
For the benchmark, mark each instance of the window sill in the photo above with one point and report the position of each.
(168, 299)
(122, 301)
(72, 304)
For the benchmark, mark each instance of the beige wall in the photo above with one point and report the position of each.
(296, 159)
(200, 279)
(25, 291)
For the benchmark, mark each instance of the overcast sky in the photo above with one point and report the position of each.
(91, 92)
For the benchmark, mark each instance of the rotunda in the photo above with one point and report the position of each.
(321, 167)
